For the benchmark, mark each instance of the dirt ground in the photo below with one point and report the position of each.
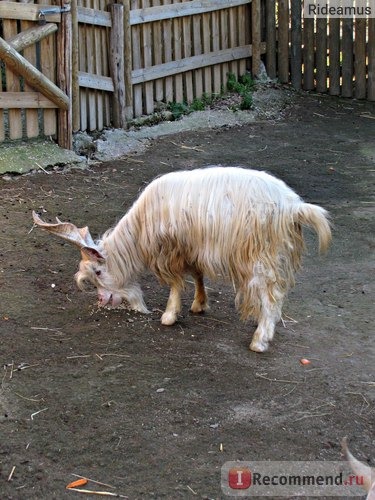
(156, 411)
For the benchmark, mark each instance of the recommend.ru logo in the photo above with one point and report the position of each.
(287, 479)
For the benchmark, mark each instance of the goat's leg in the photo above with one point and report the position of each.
(169, 317)
(271, 300)
(200, 303)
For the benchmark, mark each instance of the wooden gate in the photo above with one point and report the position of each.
(33, 87)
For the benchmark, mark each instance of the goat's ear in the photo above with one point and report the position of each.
(92, 254)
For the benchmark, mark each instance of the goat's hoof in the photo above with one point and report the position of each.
(197, 307)
(258, 346)
(168, 319)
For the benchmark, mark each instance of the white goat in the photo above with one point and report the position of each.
(362, 471)
(242, 225)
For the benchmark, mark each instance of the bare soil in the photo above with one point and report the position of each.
(156, 411)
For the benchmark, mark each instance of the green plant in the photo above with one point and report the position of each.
(244, 87)
(178, 109)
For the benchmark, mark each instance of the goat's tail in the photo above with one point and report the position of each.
(317, 218)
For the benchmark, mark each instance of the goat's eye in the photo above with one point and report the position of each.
(98, 273)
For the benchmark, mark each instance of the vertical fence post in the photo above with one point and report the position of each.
(296, 45)
(255, 37)
(271, 38)
(360, 58)
(116, 62)
(334, 56)
(64, 76)
(76, 119)
(371, 59)
(321, 54)
(347, 57)
(128, 61)
(283, 40)
(308, 53)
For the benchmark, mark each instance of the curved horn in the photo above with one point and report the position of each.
(358, 467)
(80, 237)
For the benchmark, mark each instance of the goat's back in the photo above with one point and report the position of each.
(219, 218)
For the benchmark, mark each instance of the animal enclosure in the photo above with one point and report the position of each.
(86, 65)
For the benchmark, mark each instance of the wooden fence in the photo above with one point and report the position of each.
(88, 64)
(334, 55)
(124, 59)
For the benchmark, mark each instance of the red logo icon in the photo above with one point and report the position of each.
(239, 479)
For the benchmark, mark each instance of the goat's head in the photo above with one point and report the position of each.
(93, 267)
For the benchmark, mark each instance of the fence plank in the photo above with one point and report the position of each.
(283, 41)
(296, 44)
(255, 36)
(147, 62)
(90, 68)
(98, 61)
(233, 38)
(88, 80)
(31, 115)
(12, 85)
(201, 61)
(321, 55)
(167, 42)
(2, 114)
(188, 75)
(271, 38)
(216, 73)
(104, 51)
(127, 61)
(187, 8)
(308, 54)
(177, 55)
(224, 44)
(198, 74)
(157, 46)
(25, 12)
(48, 68)
(31, 36)
(83, 92)
(360, 58)
(22, 100)
(75, 68)
(347, 58)
(137, 64)
(64, 75)
(207, 76)
(241, 23)
(371, 59)
(117, 64)
(334, 56)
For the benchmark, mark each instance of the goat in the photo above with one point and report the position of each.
(242, 225)
(361, 470)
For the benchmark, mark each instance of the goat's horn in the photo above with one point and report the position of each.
(78, 236)
(358, 467)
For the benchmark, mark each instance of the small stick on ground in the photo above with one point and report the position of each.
(283, 381)
(312, 415)
(11, 473)
(101, 493)
(93, 481)
(36, 413)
